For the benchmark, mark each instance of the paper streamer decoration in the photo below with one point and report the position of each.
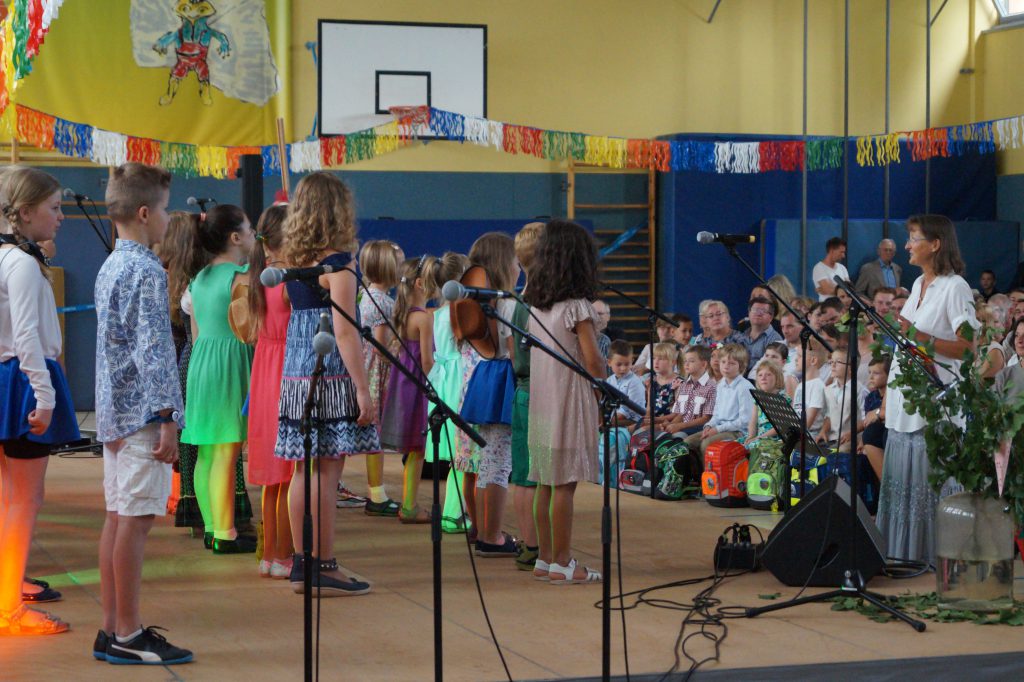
(110, 148)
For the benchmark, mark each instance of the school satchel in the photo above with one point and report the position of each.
(724, 481)
(638, 463)
(768, 477)
(817, 471)
(678, 469)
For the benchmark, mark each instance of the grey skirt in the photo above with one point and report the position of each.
(907, 501)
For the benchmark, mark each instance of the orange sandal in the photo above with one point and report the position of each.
(414, 515)
(11, 623)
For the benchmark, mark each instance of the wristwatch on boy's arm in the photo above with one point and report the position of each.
(167, 417)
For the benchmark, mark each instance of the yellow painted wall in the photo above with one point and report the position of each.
(1000, 54)
(653, 67)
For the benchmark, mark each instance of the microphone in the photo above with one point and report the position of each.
(201, 202)
(455, 291)
(271, 277)
(728, 239)
(323, 341)
(72, 194)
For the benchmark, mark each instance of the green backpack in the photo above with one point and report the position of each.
(768, 477)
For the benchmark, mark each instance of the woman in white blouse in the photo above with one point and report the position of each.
(939, 304)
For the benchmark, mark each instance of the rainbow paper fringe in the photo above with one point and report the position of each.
(21, 36)
(108, 148)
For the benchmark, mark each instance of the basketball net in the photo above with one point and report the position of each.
(413, 121)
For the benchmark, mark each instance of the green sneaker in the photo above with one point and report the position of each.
(526, 557)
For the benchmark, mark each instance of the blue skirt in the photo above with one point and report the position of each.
(17, 400)
(490, 394)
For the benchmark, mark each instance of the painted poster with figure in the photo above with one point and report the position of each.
(223, 44)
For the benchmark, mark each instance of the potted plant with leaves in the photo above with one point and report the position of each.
(974, 436)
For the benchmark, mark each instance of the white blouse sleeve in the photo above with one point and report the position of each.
(25, 278)
(186, 303)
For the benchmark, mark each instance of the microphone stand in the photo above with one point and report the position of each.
(306, 427)
(806, 332)
(652, 321)
(437, 417)
(611, 399)
(853, 583)
(79, 199)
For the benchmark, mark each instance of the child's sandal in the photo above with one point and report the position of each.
(414, 515)
(11, 623)
(564, 575)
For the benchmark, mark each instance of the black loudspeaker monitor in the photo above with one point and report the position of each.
(802, 550)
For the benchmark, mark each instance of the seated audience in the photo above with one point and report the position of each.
(716, 325)
(759, 333)
(733, 402)
(695, 396)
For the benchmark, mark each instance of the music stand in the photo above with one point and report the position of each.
(788, 424)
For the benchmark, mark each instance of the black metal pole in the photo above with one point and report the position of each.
(888, 101)
(436, 421)
(803, 183)
(846, 122)
(307, 520)
(928, 101)
(607, 409)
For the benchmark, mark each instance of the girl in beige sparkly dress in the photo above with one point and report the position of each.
(563, 408)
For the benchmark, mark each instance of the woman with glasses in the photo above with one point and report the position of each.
(716, 326)
(939, 304)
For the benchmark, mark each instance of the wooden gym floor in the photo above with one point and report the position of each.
(243, 627)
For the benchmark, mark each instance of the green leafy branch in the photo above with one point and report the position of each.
(965, 453)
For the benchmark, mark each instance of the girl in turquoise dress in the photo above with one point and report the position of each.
(218, 375)
(446, 377)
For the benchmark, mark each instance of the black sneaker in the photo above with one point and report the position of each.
(242, 545)
(99, 647)
(505, 549)
(148, 648)
(385, 508)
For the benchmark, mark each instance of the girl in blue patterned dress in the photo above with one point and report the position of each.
(321, 229)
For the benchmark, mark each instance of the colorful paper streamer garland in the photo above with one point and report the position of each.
(108, 148)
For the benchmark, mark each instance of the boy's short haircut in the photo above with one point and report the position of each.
(815, 348)
(660, 323)
(885, 290)
(703, 352)
(833, 303)
(620, 347)
(526, 244)
(737, 352)
(680, 318)
(666, 351)
(884, 360)
(780, 348)
(133, 185)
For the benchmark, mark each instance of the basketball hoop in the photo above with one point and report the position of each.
(412, 120)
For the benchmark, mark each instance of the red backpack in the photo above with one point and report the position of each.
(724, 481)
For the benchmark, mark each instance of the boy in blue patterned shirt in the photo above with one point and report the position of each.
(138, 409)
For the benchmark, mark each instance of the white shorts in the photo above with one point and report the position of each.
(134, 483)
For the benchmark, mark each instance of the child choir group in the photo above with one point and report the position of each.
(189, 341)
(196, 358)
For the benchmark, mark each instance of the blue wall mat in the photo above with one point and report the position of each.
(962, 187)
(992, 245)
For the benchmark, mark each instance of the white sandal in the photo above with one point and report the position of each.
(544, 568)
(567, 572)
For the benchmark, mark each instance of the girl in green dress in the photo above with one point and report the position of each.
(446, 376)
(218, 375)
